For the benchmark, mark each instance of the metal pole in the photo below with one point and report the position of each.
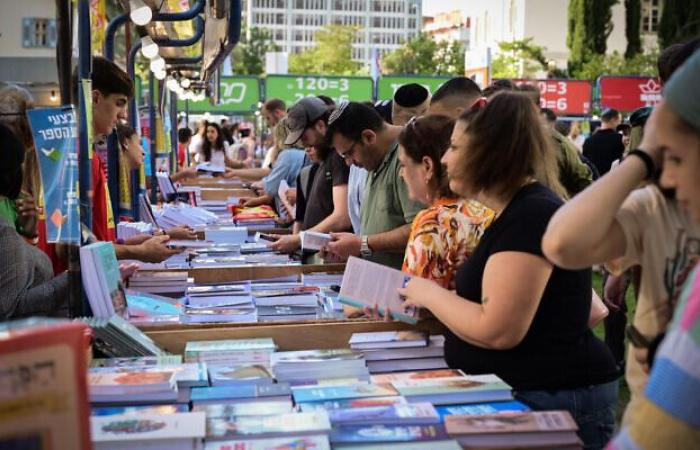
(113, 155)
(111, 33)
(152, 128)
(64, 46)
(173, 132)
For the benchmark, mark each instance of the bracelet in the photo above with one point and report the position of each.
(647, 160)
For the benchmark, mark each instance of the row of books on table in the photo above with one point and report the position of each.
(243, 394)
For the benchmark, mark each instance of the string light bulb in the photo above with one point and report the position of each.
(139, 12)
(149, 48)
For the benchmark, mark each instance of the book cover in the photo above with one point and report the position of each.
(138, 410)
(306, 356)
(386, 433)
(367, 402)
(124, 428)
(231, 345)
(421, 375)
(202, 394)
(481, 408)
(412, 413)
(230, 375)
(531, 421)
(223, 289)
(125, 382)
(43, 388)
(293, 423)
(448, 385)
(229, 411)
(313, 240)
(189, 374)
(325, 393)
(389, 339)
(137, 361)
(312, 442)
(430, 445)
(108, 273)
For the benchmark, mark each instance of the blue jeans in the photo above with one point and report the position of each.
(592, 407)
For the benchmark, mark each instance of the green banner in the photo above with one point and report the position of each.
(238, 95)
(292, 88)
(389, 84)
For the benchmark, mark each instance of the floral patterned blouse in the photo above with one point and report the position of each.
(443, 236)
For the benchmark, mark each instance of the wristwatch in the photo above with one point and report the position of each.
(365, 251)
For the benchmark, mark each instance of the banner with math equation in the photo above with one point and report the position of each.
(564, 97)
(55, 133)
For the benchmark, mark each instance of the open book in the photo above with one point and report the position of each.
(366, 283)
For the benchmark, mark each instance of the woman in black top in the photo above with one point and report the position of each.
(514, 313)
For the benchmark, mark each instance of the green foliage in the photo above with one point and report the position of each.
(422, 55)
(332, 54)
(679, 22)
(617, 64)
(633, 22)
(589, 25)
(520, 59)
(248, 57)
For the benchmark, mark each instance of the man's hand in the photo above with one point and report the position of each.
(182, 232)
(342, 246)
(154, 250)
(291, 195)
(286, 243)
(27, 211)
(249, 202)
(138, 239)
(126, 270)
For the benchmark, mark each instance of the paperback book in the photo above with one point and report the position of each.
(303, 394)
(293, 424)
(173, 431)
(402, 414)
(312, 442)
(377, 433)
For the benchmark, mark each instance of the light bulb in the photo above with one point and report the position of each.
(172, 84)
(160, 74)
(185, 83)
(187, 95)
(149, 49)
(140, 13)
(157, 64)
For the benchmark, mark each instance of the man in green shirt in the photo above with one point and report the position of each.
(362, 138)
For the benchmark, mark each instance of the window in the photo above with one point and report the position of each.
(650, 16)
(38, 33)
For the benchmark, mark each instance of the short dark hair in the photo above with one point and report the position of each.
(550, 115)
(429, 136)
(109, 78)
(124, 133)
(456, 87)
(274, 104)
(563, 127)
(609, 114)
(326, 99)
(11, 168)
(531, 91)
(498, 86)
(507, 145)
(184, 135)
(674, 56)
(352, 120)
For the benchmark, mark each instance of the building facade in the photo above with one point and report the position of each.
(383, 25)
(449, 26)
(494, 21)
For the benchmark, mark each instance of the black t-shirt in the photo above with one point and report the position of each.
(319, 203)
(603, 148)
(304, 180)
(559, 351)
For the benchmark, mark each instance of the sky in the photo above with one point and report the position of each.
(431, 7)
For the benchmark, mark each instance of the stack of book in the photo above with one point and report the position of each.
(116, 337)
(186, 375)
(233, 294)
(308, 367)
(125, 230)
(250, 259)
(321, 394)
(245, 393)
(289, 425)
(176, 431)
(285, 301)
(394, 351)
(447, 387)
(313, 442)
(226, 235)
(169, 283)
(259, 217)
(322, 279)
(118, 386)
(236, 362)
(534, 429)
(174, 215)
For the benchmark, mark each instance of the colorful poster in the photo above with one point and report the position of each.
(238, 94)
(564, 97)
(55, 133)
(626, 94)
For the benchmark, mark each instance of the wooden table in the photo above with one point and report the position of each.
(319, 334)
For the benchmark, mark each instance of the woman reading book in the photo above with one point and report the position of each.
(514, 313)
(446, 233)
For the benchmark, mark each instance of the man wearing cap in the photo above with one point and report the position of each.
(362, 138)
(325, 207)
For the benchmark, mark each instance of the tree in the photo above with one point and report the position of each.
(601, 23)
(616, 64)
(248, 57)
(332, 54)
(633, 25)
(449, 58)
(680, 21)
(589, 25)
(415, 57)
(521, 59)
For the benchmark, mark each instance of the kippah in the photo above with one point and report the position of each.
(410, 95)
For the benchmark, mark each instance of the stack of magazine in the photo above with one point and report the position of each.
(116, 337)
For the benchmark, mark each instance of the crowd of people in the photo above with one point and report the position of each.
(483, 198)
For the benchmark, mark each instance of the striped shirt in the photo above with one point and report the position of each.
(669, 414)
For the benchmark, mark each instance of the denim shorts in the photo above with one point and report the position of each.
(593, 409)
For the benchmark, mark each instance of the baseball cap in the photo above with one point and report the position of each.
(301, 116)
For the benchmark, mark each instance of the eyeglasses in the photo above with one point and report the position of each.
(348, 153)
